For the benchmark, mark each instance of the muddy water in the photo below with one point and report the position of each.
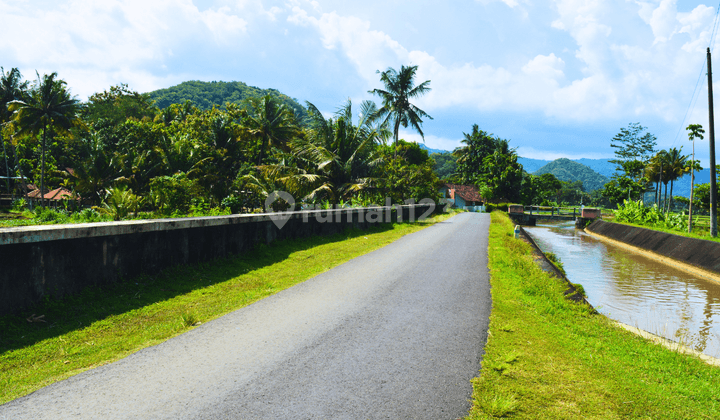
(636, 290)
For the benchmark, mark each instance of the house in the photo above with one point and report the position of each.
(53, 196)
(462, 196)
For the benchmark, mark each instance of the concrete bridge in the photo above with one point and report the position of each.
(529, 215)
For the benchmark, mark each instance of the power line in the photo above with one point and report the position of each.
(693, 100)
(695, 96)
(715, 28)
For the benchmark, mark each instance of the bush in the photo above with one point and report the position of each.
(19, 205)
(234, 203)
(89, 216)
(489, 207)
(636, 212)
(173, 194)
(119, 203)
(48, 215)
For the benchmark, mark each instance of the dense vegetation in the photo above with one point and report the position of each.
(206, 95)
(125, 154)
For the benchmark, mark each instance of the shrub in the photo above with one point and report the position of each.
(120, 202)
(47, 215)
(173, 194)
(19, 205)
(89, 216)
(636, 212)
(233, 202)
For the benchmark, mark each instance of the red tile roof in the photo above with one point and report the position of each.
(56, 194)
(466, 192)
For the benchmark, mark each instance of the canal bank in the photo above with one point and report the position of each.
(697, 257)
(637, 289)
(572, 293)
(548, 357)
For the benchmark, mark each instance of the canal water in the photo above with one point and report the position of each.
(636, 290)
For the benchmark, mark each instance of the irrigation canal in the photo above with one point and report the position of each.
(636, 290)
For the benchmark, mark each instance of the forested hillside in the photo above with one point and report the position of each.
(569, 171)
(206, 94)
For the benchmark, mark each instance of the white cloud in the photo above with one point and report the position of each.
(103, 40)
(539, 84)
(545, 66)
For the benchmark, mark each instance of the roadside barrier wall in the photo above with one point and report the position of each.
(700, 253)
(60, 260)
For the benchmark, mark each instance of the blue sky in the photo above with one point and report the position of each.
(557, 78)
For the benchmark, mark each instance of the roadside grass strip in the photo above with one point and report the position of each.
(62, 338)
(550, 358)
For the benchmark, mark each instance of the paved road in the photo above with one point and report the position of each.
(397, 333)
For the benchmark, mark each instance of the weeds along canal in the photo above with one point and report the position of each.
(636, 290)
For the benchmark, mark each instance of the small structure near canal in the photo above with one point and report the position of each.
(529, 215)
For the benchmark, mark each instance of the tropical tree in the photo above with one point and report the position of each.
(399, 90)
(677, 167)
(695, 131)
(504, 175)
(12, 88)
(478, 145)
(271, 122)
(339, 156)
(656, 172)
(633, 144)
(48, 105)
(94, 174)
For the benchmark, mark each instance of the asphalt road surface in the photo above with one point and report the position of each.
(394, 334)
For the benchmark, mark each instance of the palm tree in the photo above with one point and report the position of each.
(676, 167)
(399, 89)
(695, 131)
(653, 173)
(270, 121)
(94, 174)
(11, 89)
(47, 106)
(338, 156)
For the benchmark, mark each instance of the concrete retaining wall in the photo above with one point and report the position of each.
(58, 260)
(699, 253)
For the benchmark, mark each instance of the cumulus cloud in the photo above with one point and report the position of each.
(100, 40)
(618, 59)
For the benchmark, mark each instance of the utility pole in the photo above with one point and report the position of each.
(713, 180)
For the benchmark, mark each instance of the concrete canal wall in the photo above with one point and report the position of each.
(696, 256)
(59, 260)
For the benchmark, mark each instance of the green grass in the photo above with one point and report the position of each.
(550, 358)
(696, 233)
(102, 325)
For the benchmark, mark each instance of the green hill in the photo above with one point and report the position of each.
(205, 95)
(567, 170)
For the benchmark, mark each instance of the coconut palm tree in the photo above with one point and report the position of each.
(337, 157)
(47, 106)
(695, 132)
(270, 121)
(677, 167)
(399, 90)
(11, 89)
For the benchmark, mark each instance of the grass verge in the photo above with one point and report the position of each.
(59, 339)
(549, 358)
